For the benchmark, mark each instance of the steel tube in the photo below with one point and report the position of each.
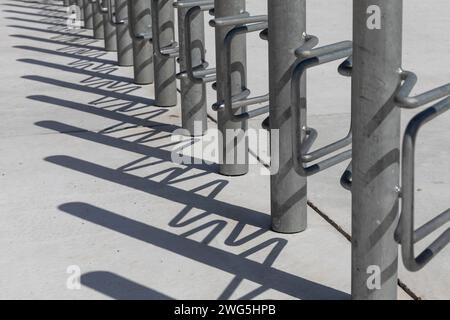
(377, 53)
(124, 42)
(88, 15)
(97, 19)
(109, 28)
(164, 66)
(140, 21)
(233, 150)
(193, 95)
(287, 23)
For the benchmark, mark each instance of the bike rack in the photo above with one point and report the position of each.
(140, 30)
(377, 55)
(233, 144)
(405, 234)
(118, 16)
(191, 35)
(380, 178)
(109, 28)
(311, 57)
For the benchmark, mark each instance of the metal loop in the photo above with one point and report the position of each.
(228, 104)
(409, 81)
(301, 156)
(405, 233)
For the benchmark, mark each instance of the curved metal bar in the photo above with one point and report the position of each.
(204, 4)
(305, 51)
(264, 35)
(242, 103)
(320, 56)
(171, 51)
(228, 105)
(243, 18)
(346, 67)
(346, 178)
(409, 81)
(195, 75)
(405, 233)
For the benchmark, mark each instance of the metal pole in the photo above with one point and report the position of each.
(88, 19)
(80, 4)
(377, 52)
(164, 66)
(99, 32)
(287, 24)
(109, 28)
(140, 17)
(193, 95)
(124, 42)
(233, 141)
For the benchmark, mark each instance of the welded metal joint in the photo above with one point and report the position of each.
(309, 57)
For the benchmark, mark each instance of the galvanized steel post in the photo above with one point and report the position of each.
(140, 22)
(287, 24)
(88, 14)
(377, 52)
(193, 94)
(109, 28)
(233, 144)
(99, 32)
(163, 29)
(124, 42)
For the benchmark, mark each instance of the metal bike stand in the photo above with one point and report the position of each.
(233, 143)
(287, 24)
(191, 37)
(295, 162)
(97, 19)
(140, 21)
(88, 14)
(405, 234)
(376, 148)
(165, 52)
(118, 16)
(109, 28)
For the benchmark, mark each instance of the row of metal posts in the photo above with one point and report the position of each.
(373, 61)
